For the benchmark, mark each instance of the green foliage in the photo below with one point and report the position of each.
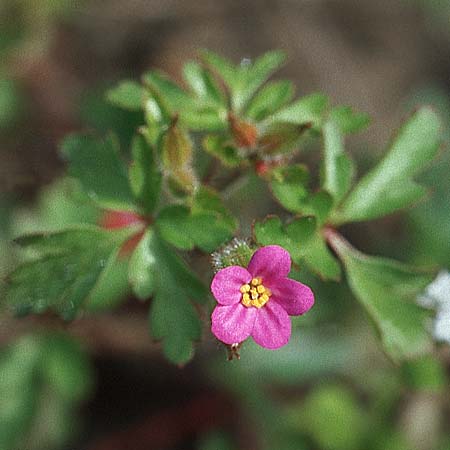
(290, 187)
(140, 270)
(272, 97)
(100, 170)
(425, 374)
(332, 416)
(44, 378)
(388, 289)
(389, 186)
(144, 174)
(207, 224)
(309, 109)
(11, 102)
(172, 317)
(338, 169)
(235, 115)
(303, 240)
(244, 80)
(68, 267)
(348, 120)
(127, 95)
(194, 113)
(222, 148)
(203, 84)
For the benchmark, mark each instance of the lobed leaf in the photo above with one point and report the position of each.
(206, 225)
(290, 187)
(272, 97)
(253, 76)
(66, 271)
(222, 147)
(390, 186)
(97, 165)
(203, 84)
(388, 290)
(309, 109)
(304, 242)
(144, 174)
(172, 317)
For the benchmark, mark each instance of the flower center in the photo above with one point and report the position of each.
(255, 294)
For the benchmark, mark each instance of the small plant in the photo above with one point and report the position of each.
(162, 197)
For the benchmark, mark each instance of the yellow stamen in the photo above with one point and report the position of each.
(244, 288)
(246, 300)
(255, 293)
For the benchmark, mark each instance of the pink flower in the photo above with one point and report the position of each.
(258, 301)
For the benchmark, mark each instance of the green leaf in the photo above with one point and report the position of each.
(244, 80)
(303, 240)
(309, 109)
(171, 95)
(68, 267)
(252, 76)
(388, 290)
(207, 199)
(207, 225)
(112, 285)
(172, 317)
(145, 176)
(272, 97)
(389, 186)
(203, 84)
(338, 168)
(127, 95)
(348, 120)
(425, 374)
(222, 147)
(140, 271)
(98, 167)
(192, 113)
(41, 375)
(224, 68)
(172, 223)
(289, 185)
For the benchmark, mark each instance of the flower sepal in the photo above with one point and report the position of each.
(237, 252)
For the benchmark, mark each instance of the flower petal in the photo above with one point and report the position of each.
(271, 262)
(227, 282)
(296, 298)
(232, 324)
(272, 327)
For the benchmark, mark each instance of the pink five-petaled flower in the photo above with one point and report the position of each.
(258, 301)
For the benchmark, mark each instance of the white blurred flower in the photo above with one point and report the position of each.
(437, 296)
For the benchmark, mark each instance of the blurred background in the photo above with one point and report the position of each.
(100, 383)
